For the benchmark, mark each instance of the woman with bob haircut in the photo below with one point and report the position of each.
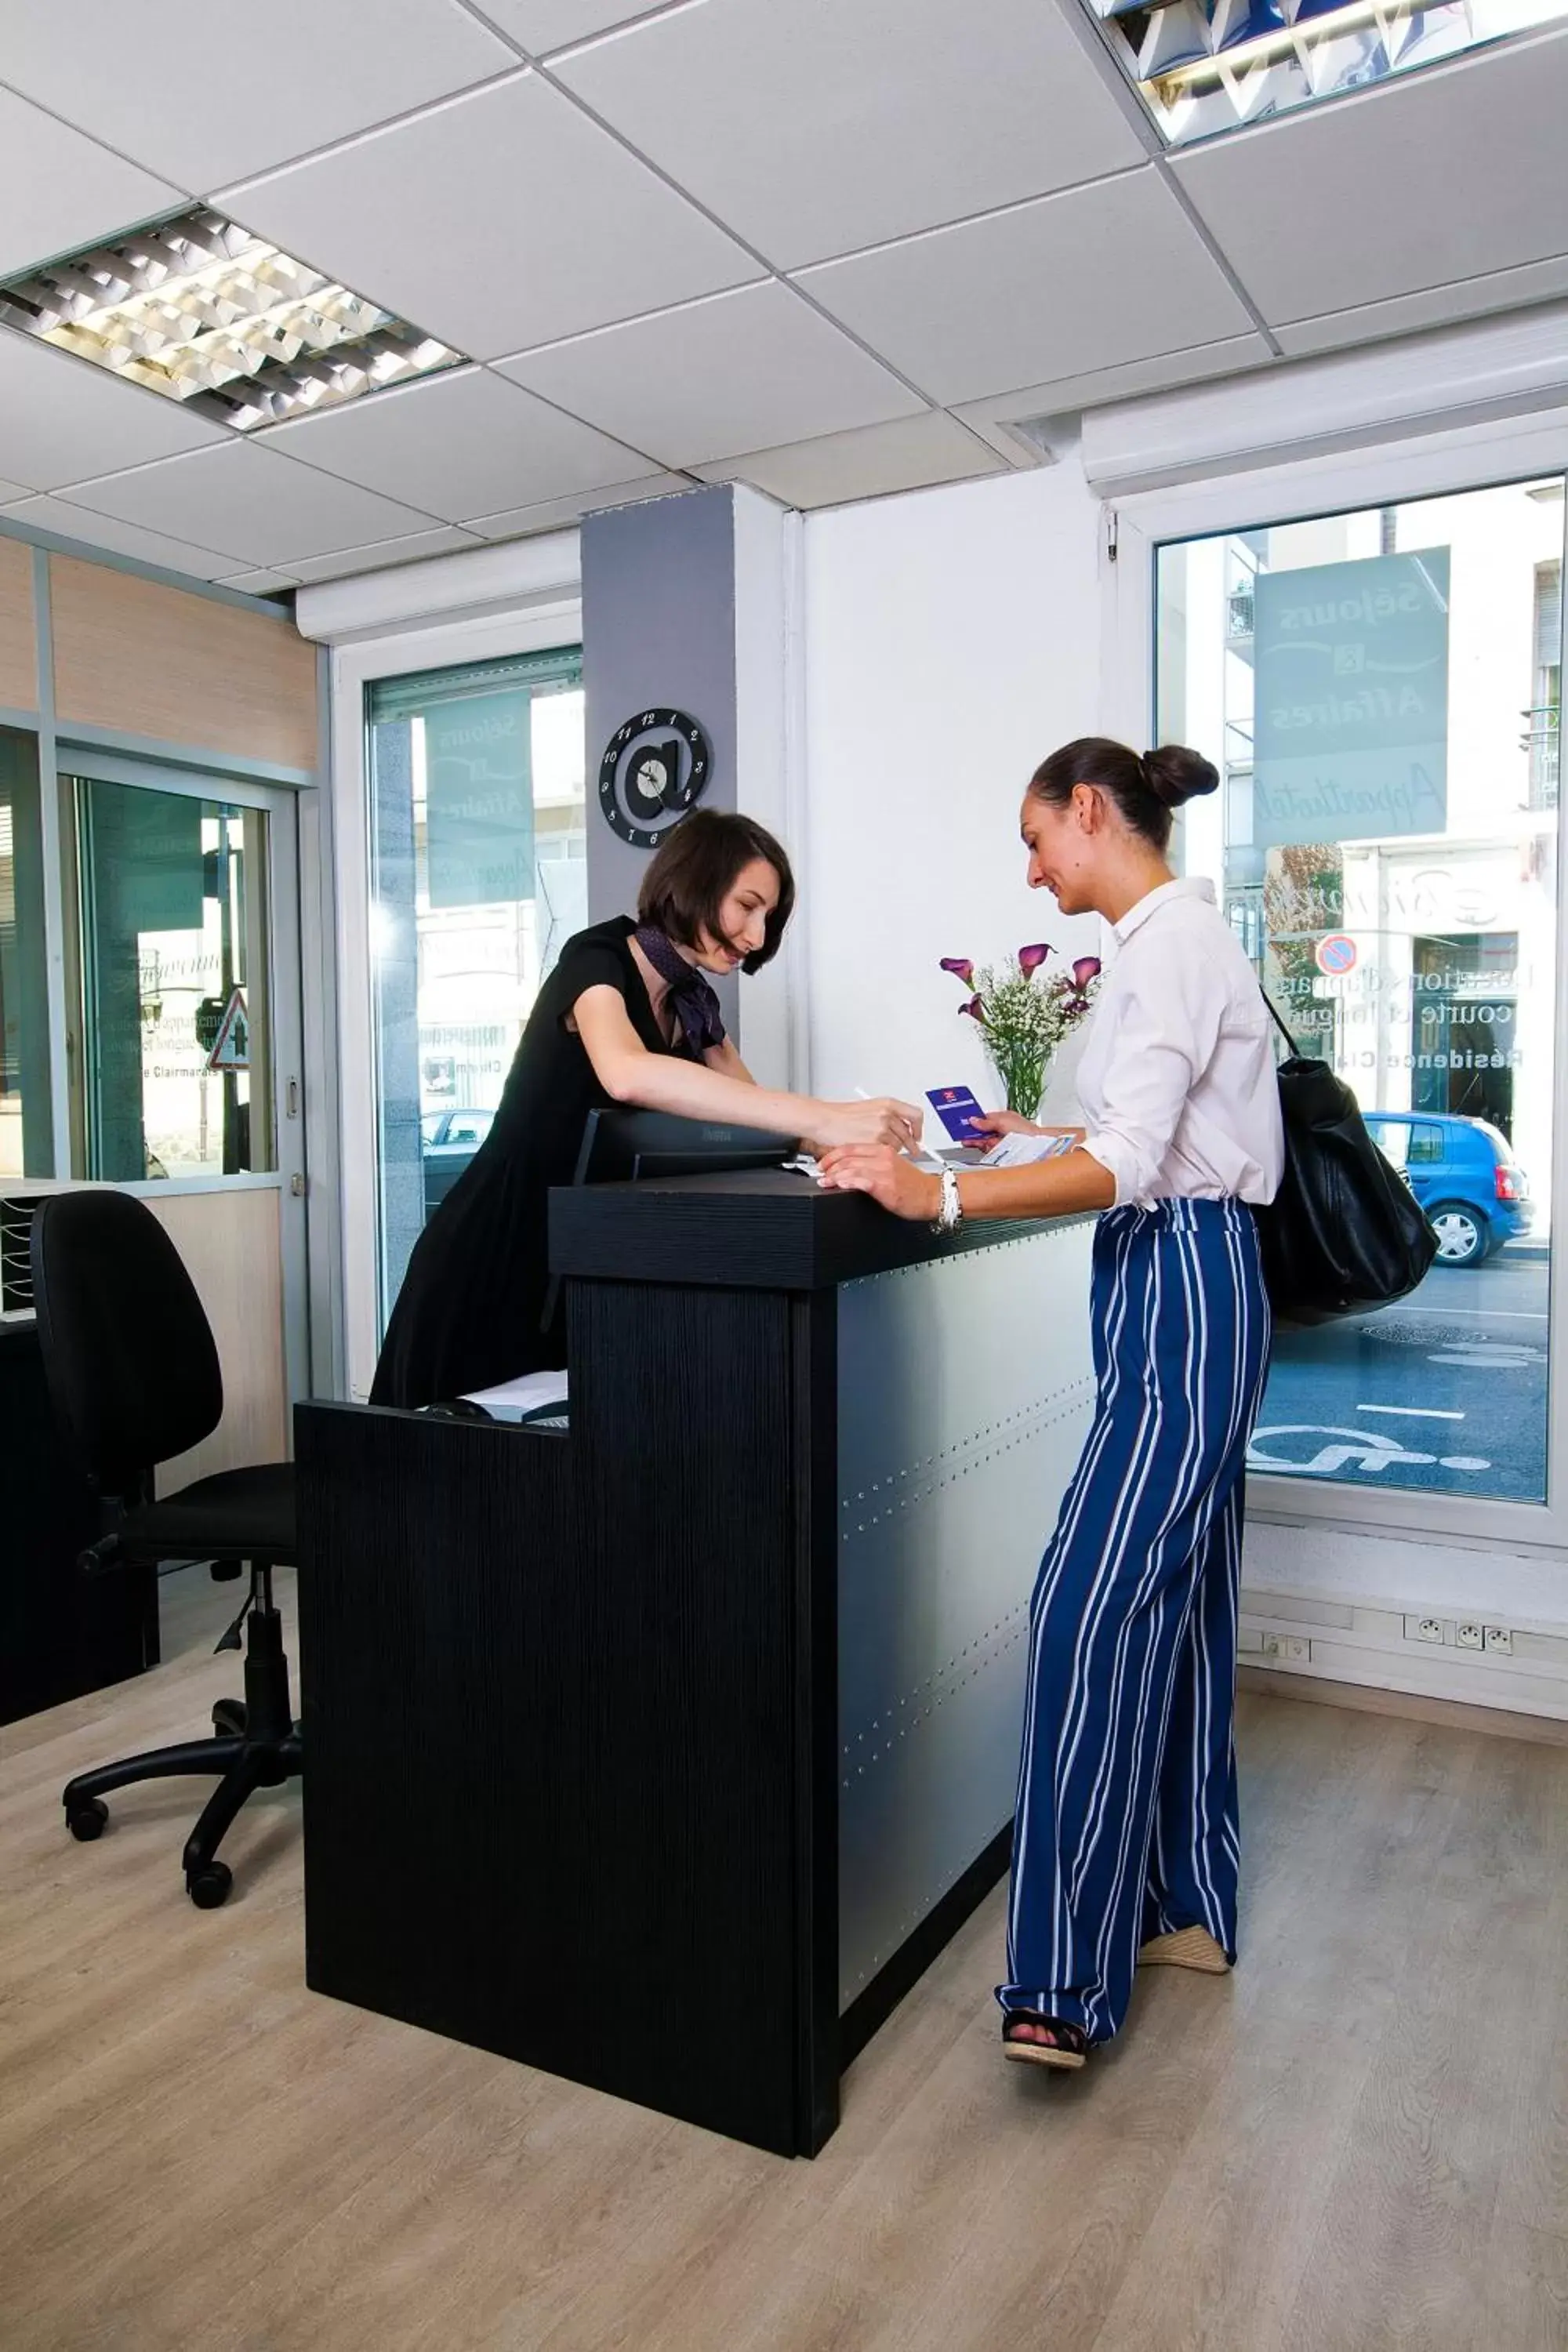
(628, 1015)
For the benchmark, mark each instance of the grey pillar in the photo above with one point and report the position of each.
(684, 606)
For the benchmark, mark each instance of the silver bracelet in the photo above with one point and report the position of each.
(951, 1215)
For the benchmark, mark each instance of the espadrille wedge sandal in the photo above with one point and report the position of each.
(1188, 1947)
(1068, 2047)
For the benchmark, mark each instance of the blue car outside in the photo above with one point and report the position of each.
(1463, 1172)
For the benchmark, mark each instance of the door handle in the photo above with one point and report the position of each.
(291, 1099)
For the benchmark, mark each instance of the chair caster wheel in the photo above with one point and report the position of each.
(228, 1718)
(208, 1887)
(86, 1818)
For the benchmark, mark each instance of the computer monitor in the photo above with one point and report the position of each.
(629, 1147)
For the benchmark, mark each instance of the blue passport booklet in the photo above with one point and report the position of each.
(957, 1110)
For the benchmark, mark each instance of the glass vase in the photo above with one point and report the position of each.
(1022, 1071)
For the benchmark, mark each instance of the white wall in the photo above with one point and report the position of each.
(951, 640)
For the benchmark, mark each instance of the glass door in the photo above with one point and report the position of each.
(479, 876)
(184, 1042)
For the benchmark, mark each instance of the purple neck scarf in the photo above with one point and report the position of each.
(690, 992)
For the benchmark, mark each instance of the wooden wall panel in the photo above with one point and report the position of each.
(231, 1246)
(147, 659)
(18, 646)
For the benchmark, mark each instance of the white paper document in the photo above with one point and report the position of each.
(1020, 1150)
(511, 1399)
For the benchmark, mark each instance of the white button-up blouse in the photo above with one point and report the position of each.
(1177, 1081)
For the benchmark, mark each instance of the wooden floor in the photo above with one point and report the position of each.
(1360, 2141)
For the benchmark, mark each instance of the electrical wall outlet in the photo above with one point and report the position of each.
(1470, 1637)
(1424, 1628)
(1282, 1646)
(1498, 1640)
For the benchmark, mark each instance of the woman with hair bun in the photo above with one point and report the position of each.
(1125, 1837)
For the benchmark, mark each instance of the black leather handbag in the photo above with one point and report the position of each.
(1344, 1232)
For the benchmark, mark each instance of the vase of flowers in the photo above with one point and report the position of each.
(1023, 1018)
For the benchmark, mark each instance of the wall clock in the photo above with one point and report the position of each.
(655, 771)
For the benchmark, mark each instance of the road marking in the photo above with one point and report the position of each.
(1493, 1314)
(1499, 1356)
(1368, 1448)
(1368, 1452)
(1412, 1411)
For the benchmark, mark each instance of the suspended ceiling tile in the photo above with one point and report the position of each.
(1455, 172)
(746, 371)
(1060, 287)
(260, 583)
(264, 509)
(503, 220)
(520, 522)
(912, 453)
(1440, 306)
(382, 556)
(62, 419)
(544, 25)
(59, 189)
(209, 91)
(68, 521)
(10, 490)
(815, 128)
(459, 445)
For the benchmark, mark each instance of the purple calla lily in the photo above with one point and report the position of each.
(961, 967)
(1084, 971)
(1031, 959)
(974, 1008)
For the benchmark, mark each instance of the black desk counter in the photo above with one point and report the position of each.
(665, 1752)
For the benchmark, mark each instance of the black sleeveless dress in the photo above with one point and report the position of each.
(469, 1314)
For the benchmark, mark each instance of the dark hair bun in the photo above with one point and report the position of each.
(1174, 774)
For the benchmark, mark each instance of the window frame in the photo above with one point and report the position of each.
(1386, 473)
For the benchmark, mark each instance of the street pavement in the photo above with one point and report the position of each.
(1447, 1390)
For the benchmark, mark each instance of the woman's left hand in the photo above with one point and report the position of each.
(892, 1181)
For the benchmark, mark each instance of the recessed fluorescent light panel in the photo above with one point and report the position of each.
(201, 311)
(1207, 66)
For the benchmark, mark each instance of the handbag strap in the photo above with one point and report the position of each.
(1275, 1015)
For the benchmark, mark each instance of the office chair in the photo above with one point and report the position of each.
(133, 1378)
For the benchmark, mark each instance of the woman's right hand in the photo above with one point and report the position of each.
(994, 1124)
(885, 1120)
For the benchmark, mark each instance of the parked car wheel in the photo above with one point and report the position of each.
(1461, 1234)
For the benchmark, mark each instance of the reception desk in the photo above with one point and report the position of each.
(664, 1752)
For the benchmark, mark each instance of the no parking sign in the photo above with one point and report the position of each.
(1336, 955)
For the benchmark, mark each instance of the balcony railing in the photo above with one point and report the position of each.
(1543, 741)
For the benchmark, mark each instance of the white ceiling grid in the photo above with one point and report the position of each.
(833, 247)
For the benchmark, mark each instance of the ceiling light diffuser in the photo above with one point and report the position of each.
(1206, 65)
(201, 311)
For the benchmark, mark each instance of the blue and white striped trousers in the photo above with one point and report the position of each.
(1126, 1823)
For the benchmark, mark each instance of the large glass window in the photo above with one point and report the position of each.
(27, 1138)
(170, 1054)
(1380, 691)
(479, 876)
